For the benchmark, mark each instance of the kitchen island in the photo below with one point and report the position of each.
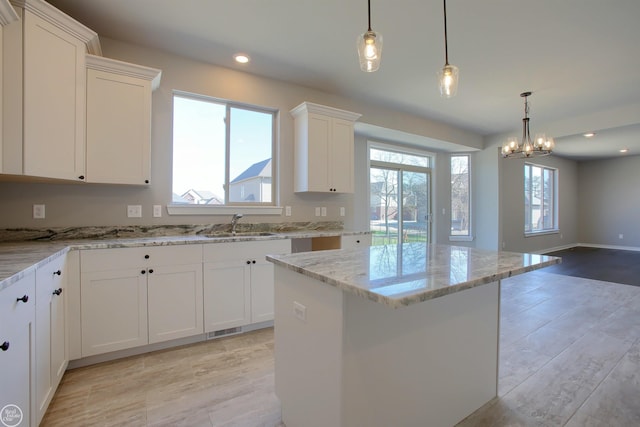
(396, 335)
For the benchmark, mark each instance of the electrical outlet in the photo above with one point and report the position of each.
(134, 211)
(300, 311)
(38, 211)
(342, 211)
(323, 211)
(620, 236)
(287, 210)
(318, 211)
(157, 211)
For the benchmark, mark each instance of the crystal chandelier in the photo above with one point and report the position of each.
(540, 146)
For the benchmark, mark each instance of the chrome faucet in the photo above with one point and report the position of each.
(234, 222)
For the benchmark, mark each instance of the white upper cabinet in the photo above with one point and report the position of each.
(324, 148)
(119, 121)
(44, 135)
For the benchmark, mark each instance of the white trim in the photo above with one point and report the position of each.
(461, 238)
(7, 13)
(109, 65)
(541, 233)
(587, 245)
(178, 209)
(309, 107)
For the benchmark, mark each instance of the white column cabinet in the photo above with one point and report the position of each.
(17, 344)
(136, 296)
(238, 283)
(51, 338)
(119, 121)
(324, 149)
(7, 16)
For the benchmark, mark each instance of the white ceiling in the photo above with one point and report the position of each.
(580, 58)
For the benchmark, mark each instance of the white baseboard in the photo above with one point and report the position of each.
(587, 245)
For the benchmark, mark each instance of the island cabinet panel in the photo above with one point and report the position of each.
(238, 283)
(51, 326)
(17, 351)
(119, 121)
(349, 242)
(324, 149)
(344, 360)
(136, 296)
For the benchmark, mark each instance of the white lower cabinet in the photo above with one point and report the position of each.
(17, 356)
(50, 330)
(238, 283)
(137, 296)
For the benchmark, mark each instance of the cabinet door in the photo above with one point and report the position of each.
(114, 310)
(118, 128)
(318, 155)
(227, 301)
(54, 101)
(362, 240)
(261, 291)
(341, 156)
(17, 338)
(50, 329)
(174, 301)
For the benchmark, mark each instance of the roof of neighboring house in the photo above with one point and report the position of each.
(176, 198)
(262, 168)
(210, 197)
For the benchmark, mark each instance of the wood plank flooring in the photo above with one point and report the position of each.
(569, 355)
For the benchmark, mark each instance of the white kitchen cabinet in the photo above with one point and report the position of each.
(17, 344)
(48, 78)
(324, 149)
(7, 16)
(354, 241)
(238, 283)
(119, 121)
(136, 296)
(50, 329)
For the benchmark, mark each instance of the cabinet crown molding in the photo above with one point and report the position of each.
(7, 13)
(101, 63)
(309, 107)
(63, 21)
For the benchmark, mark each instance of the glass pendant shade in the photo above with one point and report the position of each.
(370, 51)
(448, 78)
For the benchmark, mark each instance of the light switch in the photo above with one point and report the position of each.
(317, 211)
(342, 211)
(157, 211)
(323, 211)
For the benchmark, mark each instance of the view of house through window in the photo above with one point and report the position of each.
(460, 196)
(222, 152)
(400, 199)
(539, 198)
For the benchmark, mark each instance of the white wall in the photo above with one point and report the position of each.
(86, 205)
(609, 202)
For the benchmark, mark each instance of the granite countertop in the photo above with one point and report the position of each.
(19, 258)
(401, 275)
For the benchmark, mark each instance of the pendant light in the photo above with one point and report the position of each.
(369, 48)
(448, 76)
(540, 146)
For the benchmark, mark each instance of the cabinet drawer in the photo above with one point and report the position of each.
(10, 307)
(239, 250)
(119, 258)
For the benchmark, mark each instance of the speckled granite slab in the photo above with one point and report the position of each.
(401, 275)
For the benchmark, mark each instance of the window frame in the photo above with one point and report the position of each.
(245, 208)
(555, 227)
(469, 236)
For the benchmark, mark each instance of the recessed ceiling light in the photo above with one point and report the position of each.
(242, 58)
(624, 150)
(589, 134)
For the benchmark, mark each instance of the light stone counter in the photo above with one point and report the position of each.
(20, 257)
(400, 335)
(400, 275)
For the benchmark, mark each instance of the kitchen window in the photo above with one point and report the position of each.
(540, 199)
(223, 153)
(460, 167)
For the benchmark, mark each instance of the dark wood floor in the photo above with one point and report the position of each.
(609, 265)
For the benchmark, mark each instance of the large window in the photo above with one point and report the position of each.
(460, 196)
(540, 214)
(400, 200)
(222, 152)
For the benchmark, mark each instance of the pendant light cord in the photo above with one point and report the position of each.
(369, 11)
(446, 50)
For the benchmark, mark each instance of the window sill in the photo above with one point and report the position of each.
(461, 238)
(223, 210)
(541, 233)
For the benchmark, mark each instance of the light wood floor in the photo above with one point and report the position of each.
(569, 355)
